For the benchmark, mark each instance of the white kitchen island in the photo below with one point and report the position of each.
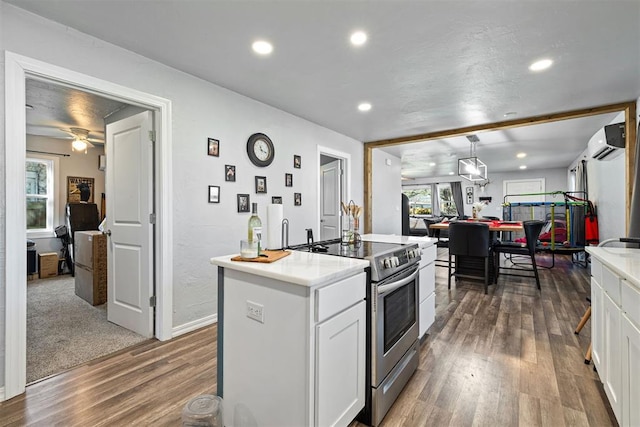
(291, 340)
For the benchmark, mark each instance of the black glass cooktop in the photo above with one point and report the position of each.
(361, 250)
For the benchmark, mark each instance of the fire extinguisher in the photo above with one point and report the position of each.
(591, 233)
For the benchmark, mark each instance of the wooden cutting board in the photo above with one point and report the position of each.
(271, 256)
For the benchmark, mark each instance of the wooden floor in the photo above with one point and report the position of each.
(503, 359)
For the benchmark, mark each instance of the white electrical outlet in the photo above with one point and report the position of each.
(255, 311)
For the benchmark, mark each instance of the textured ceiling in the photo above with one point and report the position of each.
(427, 66)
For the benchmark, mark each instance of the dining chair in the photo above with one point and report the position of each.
(532, 230)
(469, 243)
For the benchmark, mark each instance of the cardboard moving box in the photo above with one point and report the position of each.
(48, 263)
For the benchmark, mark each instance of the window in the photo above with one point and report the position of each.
(447, 205)
(40, 191)
(419, 201)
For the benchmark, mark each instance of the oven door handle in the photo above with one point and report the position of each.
(383, 289)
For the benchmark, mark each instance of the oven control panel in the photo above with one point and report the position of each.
(393, 261)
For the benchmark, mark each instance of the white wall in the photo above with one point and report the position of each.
(555, 180)
(200, 110)
(607, 189)
(386, 208)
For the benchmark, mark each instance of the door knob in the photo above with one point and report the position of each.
(108, 232)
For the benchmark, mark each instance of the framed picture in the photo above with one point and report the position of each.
(243, 203)
(214, 194)
(276, 200)
(261, 184)
(297, 161)
(288, 180)
(297, 199)
(79, 189)
(469, 191)
(230, 173)
(213, 147)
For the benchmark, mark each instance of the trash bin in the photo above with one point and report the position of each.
(203, 411)
(31, 257)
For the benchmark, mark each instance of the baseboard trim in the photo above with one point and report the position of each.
(193, 325)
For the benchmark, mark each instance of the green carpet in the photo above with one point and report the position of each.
(63, 330)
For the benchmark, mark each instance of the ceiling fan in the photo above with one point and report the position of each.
(74, 133)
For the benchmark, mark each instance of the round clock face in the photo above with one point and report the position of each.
(260, 149)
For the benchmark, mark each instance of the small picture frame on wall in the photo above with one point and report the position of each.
(214, 194)
(213, 147)
(261, 184)
(243, 203)
(297, 199)
(288, 180)
(297, 161)
(469, 191)
(79, 189)
(230, 173)
(276, 200)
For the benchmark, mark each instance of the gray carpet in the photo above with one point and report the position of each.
(63, 330)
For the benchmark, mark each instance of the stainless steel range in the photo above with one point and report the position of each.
(392, 323)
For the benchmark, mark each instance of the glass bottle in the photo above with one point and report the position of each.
(255, 227)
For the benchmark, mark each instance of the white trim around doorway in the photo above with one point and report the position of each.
(17, 69)
(346, 166)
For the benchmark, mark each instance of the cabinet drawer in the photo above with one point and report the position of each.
(611, 284)
(631, 302)
(336, 297)
(428, 255)
(596, 270)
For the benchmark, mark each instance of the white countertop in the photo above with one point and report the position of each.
(301, 268)
(623, 261)
(422, 241)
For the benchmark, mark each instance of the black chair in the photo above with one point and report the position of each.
(469, 243)
(532, 230)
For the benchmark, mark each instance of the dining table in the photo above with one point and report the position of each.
(470, 265)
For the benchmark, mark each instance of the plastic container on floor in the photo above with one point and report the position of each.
(203, 411)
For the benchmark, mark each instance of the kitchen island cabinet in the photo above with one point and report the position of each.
(291, 340)
(615, 326)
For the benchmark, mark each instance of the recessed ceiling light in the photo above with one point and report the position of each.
(358, 38)
(521, 155)
(523, 166)
(262, 47)
(543, 64)
(365, 106)
(432, 164)
(28, 107)
(450, 173)
(510, 113)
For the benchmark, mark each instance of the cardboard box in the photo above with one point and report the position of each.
(48, 264)
(91, 266)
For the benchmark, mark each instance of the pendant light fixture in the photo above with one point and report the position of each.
(472, 168)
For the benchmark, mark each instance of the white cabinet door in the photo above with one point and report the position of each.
(596, 328)
(630, 373)
(611, 359)
(340, 367)
(427, 314)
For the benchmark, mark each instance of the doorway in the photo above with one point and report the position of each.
(69, 321)
(333, 188)
(17, 69)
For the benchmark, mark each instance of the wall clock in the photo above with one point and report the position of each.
(260, 150)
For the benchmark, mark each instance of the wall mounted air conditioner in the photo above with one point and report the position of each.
(611, 146)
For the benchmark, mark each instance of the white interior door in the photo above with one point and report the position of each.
(524, 186)
(330, 184)
(129, 189)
